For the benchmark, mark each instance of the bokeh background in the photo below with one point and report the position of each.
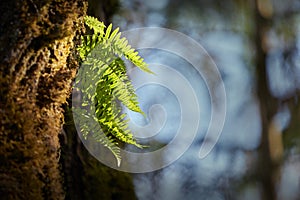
(255, 45)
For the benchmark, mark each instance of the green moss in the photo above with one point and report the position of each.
(33, 88)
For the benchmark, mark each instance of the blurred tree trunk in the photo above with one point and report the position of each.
(37, 65)
(268, 104)
(291, 136)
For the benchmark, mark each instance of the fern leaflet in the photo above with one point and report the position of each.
(104, 86)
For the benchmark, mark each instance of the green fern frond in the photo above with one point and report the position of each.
(94, 24)
(109, 113)
(104, 85)
(122, 48)
(89, 125)
(121, 85)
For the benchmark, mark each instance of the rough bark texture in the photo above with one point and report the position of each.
(37, 66)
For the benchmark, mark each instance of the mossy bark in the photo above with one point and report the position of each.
(37, 66)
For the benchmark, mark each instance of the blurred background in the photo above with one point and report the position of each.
(255, 45)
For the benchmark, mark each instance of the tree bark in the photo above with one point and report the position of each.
(37, 65)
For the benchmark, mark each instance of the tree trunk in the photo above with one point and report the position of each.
(268, 104)
(37, 65)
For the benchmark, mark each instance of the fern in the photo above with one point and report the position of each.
(105, 85)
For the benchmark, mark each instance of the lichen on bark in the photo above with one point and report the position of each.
(37, 65)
